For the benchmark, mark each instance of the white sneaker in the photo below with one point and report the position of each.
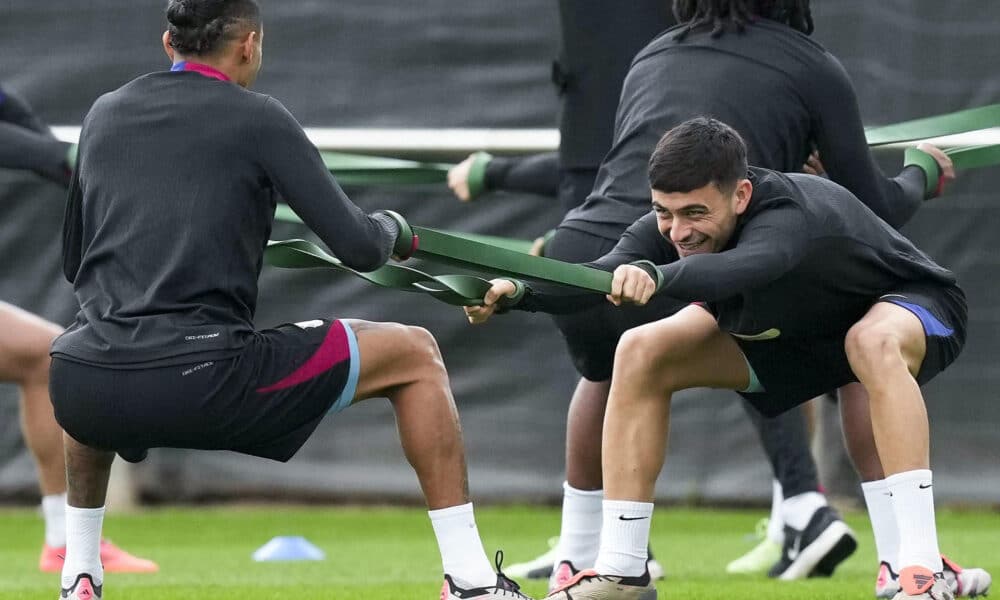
(919, 583)
(504, 589)
(968, 582)
(963, 582)
(588, 585)
(83, 588)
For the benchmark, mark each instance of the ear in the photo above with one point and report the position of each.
(744, 190)
(166, 46)
(248, 46)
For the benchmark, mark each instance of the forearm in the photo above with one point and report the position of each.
(534, 174)
(22, 148)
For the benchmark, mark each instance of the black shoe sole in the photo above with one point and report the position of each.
(838, 554)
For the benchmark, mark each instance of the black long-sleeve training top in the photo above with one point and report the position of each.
(598, 39)
(26, 142)
(170, 210)
(783, 92)
(807, 258)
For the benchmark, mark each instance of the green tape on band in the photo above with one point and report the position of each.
(928, 164)
(477, 174)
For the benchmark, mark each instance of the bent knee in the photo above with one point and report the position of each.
(868, 343)
(420, 348)
(641, 350)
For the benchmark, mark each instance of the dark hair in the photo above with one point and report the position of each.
(696, 153)
(198, 27)
(721, 14)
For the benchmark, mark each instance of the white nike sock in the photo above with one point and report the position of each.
(883, 520)
(624, 538)
(580, 535)
(462, 554)
(913, 504)
(83, 544)
(797, 510)
(54, 513)
(775, 524)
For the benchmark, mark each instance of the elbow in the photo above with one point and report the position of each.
(365, 259)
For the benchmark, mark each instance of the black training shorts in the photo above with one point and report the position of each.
(266, 401)
(793, 371)
(592, 335)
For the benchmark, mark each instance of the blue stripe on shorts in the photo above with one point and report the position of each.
(351, 387)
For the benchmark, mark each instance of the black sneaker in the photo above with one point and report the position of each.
(816, 550)
(505, 588)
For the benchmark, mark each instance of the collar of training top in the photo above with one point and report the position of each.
(205, 70)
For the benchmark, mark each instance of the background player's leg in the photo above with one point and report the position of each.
(785, 439)
(584, 422)
(24, 359)
(404, 364)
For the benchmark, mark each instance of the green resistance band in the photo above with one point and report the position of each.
(284, 213)
(457, 290)
(463, 250)
(356, 169)
(458, 250)
(963, 121)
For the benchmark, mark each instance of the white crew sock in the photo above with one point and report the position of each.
(797, 510)
(913, 504)
(883, 522)
(462, 554)
(54, 513)
(580, 536)
(624, 538)
(83, 544)
(775, 524)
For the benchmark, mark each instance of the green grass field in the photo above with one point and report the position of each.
(389, 553)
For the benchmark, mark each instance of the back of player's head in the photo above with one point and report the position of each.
(201, 27)
(696, 153)
(723, 14)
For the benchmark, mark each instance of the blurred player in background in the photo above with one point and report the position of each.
(26, 143)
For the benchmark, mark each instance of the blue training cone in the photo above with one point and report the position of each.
(288, 548)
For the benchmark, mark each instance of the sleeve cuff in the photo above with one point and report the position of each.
(929, 166)
(477, 174)
(508, 302)
(650, 270)
(406, 241)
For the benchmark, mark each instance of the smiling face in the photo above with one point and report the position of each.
(702, 220)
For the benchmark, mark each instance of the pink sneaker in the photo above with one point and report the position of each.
(114, 559)
(563, 572)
